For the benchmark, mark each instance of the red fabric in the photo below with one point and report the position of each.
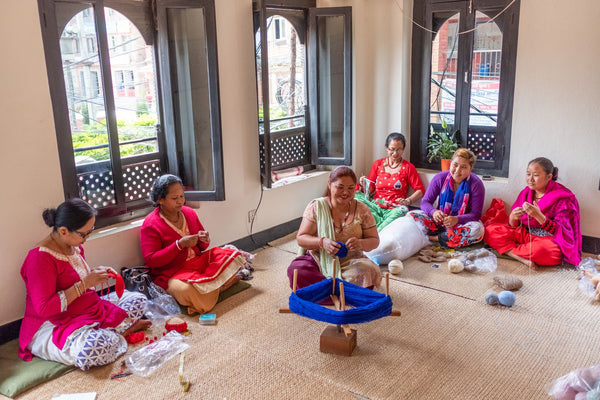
(385, 183)
(496, 214)
(44, 277)
(540, 250)
(166, 261)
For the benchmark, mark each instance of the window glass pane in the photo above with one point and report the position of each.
(444, 57)
(134, 85)
(330, 53)
(286, 75)
(187, 50)
(85, 101)
(485, 87)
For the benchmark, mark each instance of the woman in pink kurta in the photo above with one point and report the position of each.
(175, 247)
(544, 224)
(65, 319)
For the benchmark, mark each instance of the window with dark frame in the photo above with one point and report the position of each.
(116, 138)
(463, 75)
(303, 77)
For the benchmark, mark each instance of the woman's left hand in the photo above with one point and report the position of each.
(450, 221)
(534, 211)
(203, 236)
(354, 244)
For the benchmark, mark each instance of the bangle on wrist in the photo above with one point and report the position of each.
(177, 244)
(77, 289)
(320, 242)
(82, 283)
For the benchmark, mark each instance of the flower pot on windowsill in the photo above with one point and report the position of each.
(445, 164)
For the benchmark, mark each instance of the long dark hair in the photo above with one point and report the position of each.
(546, 165)
(338, 173)
(160, 188)
(72, 214)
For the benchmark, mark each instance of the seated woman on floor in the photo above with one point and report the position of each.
(455, 222)
(337, 217)
(388, 183)
(174, 245)
(65, 319)
(544, 223)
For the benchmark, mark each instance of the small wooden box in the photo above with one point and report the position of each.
(334, 341)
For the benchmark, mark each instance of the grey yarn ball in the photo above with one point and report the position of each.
(492, 298)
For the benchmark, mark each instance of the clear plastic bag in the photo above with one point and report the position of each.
(479, 260)
(146, 360)
(162, 305)
(581, 380)
(588, 266)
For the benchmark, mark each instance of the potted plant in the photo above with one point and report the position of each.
(442, 145)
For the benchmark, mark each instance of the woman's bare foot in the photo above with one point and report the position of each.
(434, 238)
(139, 325)
(523, 260)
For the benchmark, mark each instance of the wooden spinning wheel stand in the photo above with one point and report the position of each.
(338, 339)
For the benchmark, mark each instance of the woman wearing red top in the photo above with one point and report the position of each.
(388, 183)
(65, 320)
(174, 245)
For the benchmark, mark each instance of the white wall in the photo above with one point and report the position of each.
(556, 86)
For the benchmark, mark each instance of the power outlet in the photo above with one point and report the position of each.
(251, 215)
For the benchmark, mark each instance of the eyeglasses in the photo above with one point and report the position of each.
(395, 150)
(85, 235)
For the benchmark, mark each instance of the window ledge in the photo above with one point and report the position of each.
(117, 228)
(433, 172)
(298, 178)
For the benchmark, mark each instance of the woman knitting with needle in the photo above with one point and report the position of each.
(544, 223)
(328, 221)
(388, 183)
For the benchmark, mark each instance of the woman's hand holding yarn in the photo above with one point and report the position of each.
(354, 244)
(438, 216)
(188, 241)
(450, 221)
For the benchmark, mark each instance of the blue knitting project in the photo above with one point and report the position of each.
(368, 304)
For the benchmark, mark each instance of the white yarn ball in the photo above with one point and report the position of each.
(395, 267)
(455, 266)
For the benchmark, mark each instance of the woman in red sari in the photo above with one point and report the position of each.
(174, 245)
(544, 223)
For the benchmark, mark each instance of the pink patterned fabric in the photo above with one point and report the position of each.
(45, 274)
(560, 205)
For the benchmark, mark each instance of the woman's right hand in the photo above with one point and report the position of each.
(188, 241)
(97, 276)
(515, 215)
(438, 216)
(330, 246)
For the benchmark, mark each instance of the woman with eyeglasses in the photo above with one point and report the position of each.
(176, 248)
(455, 221)
(65, 320)
(386, 187)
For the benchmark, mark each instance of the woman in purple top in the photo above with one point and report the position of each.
(455, 221)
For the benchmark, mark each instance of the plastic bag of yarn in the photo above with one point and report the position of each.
(161, 305)
(581, 383)
(479, 260)
(590, 265)
(398, 241)
(146, 360)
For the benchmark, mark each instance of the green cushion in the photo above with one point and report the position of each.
(17, 376)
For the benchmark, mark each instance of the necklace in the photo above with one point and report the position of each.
(344, 221)
(396, 166)
(61, 248)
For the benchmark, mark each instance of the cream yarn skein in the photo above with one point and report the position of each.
(395, 267)
(455, 266)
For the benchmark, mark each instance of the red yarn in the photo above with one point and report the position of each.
(135, 337)
(181, 327)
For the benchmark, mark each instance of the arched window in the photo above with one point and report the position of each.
(463, 78)
(116, 131)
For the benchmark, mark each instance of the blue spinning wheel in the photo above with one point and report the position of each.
(368, 304)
